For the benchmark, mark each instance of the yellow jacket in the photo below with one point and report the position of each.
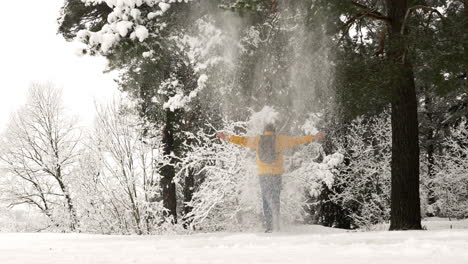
(282, 142)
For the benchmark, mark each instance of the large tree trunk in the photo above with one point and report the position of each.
(405, 208)
(168, 171)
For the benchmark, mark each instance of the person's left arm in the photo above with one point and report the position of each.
(286, 142)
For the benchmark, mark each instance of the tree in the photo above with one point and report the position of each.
(405, 208)
(144, 41)
(173, 59)
(119, 180)
(385, 46)
(39, 150)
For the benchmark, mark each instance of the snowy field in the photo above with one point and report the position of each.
(311, 244)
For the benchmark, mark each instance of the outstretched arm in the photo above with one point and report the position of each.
(248, 142)
(287, 142)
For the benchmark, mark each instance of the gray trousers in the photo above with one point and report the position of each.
(270, 185)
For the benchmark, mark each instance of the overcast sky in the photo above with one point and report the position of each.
(30, 51)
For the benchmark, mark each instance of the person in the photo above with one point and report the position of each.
(270, 166)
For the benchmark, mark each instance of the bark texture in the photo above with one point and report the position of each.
(168, 170)
(405, 208)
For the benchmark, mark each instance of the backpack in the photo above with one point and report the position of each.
(267, 148)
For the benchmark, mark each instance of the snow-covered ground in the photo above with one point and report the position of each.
(311, 244)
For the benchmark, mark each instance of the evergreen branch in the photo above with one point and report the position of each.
(424, 8)
(372, 13)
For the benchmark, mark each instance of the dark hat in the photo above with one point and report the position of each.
(269, 127)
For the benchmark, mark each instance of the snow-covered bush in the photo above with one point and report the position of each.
(228, 193)
(450, 184)
(308, 171)
(364, 179)
(22, 220)
(306, 179)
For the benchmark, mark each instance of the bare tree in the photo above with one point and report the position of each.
(39, 148)
(124, 173)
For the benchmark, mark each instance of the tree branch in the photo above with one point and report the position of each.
(372, 13)
(383, 36)
(424, 8)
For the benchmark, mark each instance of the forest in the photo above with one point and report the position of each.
(385, 80)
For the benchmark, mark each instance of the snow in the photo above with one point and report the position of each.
(135, 13)
(108, 41)
(123, 27)
(201, 82)
(258, 120)
(333, 160)
(152, 15)
(141, 33)
(164, 6)
(310, 125)
(179, 100)
(300, 244)
(82, 35)
(148, 54)
(125, 18)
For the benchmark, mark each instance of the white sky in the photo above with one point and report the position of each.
(30, 50)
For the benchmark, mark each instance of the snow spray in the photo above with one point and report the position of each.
(288, 82)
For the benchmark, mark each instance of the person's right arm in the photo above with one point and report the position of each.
(248, 142)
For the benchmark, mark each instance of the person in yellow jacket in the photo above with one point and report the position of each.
(270, 165)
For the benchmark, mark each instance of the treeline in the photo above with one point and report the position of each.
(385, 79)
